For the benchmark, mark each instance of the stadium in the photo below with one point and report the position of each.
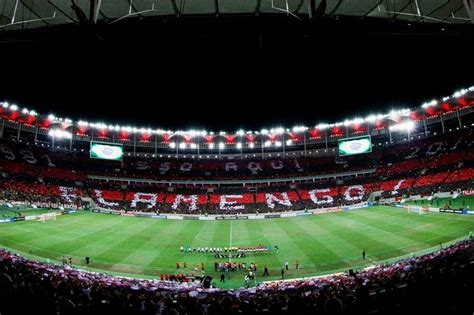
(216, 167)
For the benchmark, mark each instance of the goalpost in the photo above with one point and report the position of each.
(417, 209)
(47, 216)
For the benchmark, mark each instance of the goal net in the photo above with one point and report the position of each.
(46, 216)
(417, 209)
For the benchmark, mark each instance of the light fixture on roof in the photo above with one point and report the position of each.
(299, 128)
(221, 145)
(277, 131)
(429, 104)
(13, 107)
(239, 145)
(61, 134)
(370, 118)
(460, 93)
(406, 126)
(323, 126)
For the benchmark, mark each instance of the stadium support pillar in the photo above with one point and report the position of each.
(134, 144)
(326, 138)
(389, 132)
(94, 10)
(424, 125)
(459, 119)
(70, 143)
(19, 131)
(262, 145)
(442, 122)
(2, 126)
(304, 142)
(283, 143)
(311, 8)
(156, 145)
(469, 5)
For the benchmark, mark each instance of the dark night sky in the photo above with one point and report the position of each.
(228, 89)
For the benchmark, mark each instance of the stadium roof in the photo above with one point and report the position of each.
(21, 14)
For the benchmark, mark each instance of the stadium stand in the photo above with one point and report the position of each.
(442, 164)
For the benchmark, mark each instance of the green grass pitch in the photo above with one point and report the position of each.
(323, 243)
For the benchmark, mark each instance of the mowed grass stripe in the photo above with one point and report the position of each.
(427, 229)
(390, 232)
(259, 235)
(32, 236)
(209, 235)
(307, 249)
(330, 231)
(96, 238)
(349, 229)
(180, 233)
(158, 238)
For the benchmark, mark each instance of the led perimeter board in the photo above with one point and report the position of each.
(358, 145)
(106, 151)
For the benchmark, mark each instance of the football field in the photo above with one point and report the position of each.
(322, 243)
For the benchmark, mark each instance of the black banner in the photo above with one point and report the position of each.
(69, 211)
(460, 211)
(232, 217)
(272, 216)
(187, 217)
(146, 215)
(105, 211)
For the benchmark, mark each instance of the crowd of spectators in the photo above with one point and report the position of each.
(389, 160)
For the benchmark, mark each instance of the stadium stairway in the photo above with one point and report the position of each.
(89, 200)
